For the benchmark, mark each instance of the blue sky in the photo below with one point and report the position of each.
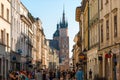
(50, 13)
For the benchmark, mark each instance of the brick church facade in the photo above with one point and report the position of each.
(62, 38)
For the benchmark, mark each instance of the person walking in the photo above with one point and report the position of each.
(79, 74)
(44, 75)
(38, 75)
(90, 74)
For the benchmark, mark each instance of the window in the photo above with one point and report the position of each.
(7, 14)
(102, 33)
(101, 4)
(7, 41)
(115, 26)
(107, 29)
(2, 10)
(2, 36)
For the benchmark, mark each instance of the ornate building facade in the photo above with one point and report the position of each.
(5, 26)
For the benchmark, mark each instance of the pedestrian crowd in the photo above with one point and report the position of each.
(46, 75)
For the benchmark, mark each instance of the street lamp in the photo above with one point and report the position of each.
(73, 64)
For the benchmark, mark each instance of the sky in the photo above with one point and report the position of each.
(50, 13)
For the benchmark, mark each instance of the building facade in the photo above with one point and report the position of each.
(82, 16)
(39, 32)
(16, 50)
(5, 38)
(109, 39)
(103, 37)
(76, 51)
(61, 34)
(26, 21)
(92, 54)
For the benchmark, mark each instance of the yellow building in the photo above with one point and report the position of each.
(37, 43)
(76, 51)
(100, 35)
(85, 23)
(92, 54)
(83, 42)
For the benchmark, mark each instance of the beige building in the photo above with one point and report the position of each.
(92, 56)
(85, 24)
(109, 39)
(83, 38)
(54, 54)
(5, 31)
(104, 44)
(46, 54)
(34, 52)
(43, 51)
(76, 51)
(53, 59)
(39, 31)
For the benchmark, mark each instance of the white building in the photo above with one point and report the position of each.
(16, 50)
(26, 25)
(5, 26)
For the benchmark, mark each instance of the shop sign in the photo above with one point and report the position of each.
(100, 58)
(108, 55)
(82, 56)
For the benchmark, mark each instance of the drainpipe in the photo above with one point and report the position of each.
(98, 26)
(88, 26)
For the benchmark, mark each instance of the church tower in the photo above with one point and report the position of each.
(61, 34)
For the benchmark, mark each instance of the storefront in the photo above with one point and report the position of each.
(109, 63)
(92, 62)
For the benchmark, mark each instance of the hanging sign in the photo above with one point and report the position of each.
(82, 56)
(108, 55)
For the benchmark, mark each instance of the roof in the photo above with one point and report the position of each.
(54, 44)
(56, 34)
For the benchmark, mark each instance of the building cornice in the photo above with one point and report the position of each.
(5, 20)
(23, 18)
(78, 13)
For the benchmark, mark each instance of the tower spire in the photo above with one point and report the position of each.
(63, 9)
(63, 14)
